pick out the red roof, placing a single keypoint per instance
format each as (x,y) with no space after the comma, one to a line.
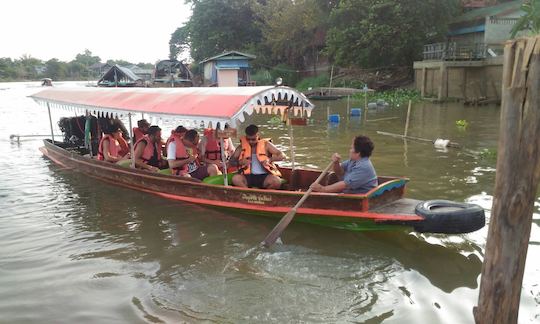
(226,105)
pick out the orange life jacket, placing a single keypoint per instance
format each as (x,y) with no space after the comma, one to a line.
(181,154)
(173,134)
(137,134)
(124,146)
(114,147)
(149,149)
(213,145)
(261,156)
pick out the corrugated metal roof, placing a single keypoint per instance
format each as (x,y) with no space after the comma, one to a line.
(482,13)
(238,55)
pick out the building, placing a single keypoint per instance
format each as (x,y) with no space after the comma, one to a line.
(468,66)
(97,69)
(229,69)
(145,74)
(119,76)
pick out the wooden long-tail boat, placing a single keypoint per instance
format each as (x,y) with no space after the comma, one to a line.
(382,208)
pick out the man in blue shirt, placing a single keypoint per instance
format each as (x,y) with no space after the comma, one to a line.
(357,174)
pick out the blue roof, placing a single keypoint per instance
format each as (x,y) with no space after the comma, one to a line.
(468,30)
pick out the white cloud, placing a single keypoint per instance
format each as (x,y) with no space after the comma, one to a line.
(132,30)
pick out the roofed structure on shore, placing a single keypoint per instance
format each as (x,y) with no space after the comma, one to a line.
(228,69)
(119,76)
(172,73)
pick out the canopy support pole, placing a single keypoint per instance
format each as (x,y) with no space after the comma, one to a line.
(131,139)
(291,140)
(50,122)
(223,161)
(88,133)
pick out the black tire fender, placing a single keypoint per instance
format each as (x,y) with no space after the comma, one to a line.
(450,217)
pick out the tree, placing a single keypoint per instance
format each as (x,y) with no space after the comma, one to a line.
(294,30)
(56,70)
(86,58)
(386,32)
(530,20)
(216,26)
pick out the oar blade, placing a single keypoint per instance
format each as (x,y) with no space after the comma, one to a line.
(272,237)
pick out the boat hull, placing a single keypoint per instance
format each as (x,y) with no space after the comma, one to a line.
(369,211)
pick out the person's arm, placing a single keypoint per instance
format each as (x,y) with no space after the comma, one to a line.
(171,157)
(339,186)
(139,150)
(233,161)
(275,153)
(338,167)
(230,149)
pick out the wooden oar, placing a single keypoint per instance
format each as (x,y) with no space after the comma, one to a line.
(272,237)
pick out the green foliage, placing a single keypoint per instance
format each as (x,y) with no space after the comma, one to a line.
(322,80)
(462,124)
(216,26)
(531,19)
(385,32)
(395,98)
(289,75)
(262,77)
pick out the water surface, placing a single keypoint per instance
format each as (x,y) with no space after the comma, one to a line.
(77,250)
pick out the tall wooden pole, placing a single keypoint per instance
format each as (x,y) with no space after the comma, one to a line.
(516,184)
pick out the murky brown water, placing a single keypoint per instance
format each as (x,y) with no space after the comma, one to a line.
(76,250)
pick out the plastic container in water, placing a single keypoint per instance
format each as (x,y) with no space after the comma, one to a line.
(356,111)
(333,118)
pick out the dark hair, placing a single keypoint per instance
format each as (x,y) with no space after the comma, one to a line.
(191,135)
(252,130)
(142,123)
(112,128)
(180,129)
(152,130)
(363,145)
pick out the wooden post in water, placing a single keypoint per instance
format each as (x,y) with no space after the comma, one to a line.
(516,184)
(407,121)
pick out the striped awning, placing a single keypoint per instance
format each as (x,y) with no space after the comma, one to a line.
(207,106)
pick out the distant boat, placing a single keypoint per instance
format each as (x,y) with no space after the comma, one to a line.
(46,82)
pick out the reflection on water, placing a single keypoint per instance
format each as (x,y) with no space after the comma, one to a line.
(78,250)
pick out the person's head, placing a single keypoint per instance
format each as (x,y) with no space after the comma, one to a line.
(114,130)
(361,147)
(154,132)
(191,137)
(180,130)
(143,125)
(252,134)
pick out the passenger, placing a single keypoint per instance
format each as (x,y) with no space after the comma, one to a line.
(140,130)
(210,148)
(255,159)
(357,174)
(177,132)
(148,150)
(183,157)
(112,147)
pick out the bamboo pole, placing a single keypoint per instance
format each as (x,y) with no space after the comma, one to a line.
(407,122)
(223,161)
(516,183)
(291,141)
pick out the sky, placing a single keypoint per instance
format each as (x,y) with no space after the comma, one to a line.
(132,30)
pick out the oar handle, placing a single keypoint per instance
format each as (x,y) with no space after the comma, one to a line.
(272,237)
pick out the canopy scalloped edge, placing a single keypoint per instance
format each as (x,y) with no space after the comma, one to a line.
(166,104)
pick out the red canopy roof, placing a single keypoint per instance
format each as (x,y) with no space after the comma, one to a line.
(226,105)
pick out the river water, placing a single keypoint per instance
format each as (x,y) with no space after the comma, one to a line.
(76,250)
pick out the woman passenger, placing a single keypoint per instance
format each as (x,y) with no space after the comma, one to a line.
(113,147)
